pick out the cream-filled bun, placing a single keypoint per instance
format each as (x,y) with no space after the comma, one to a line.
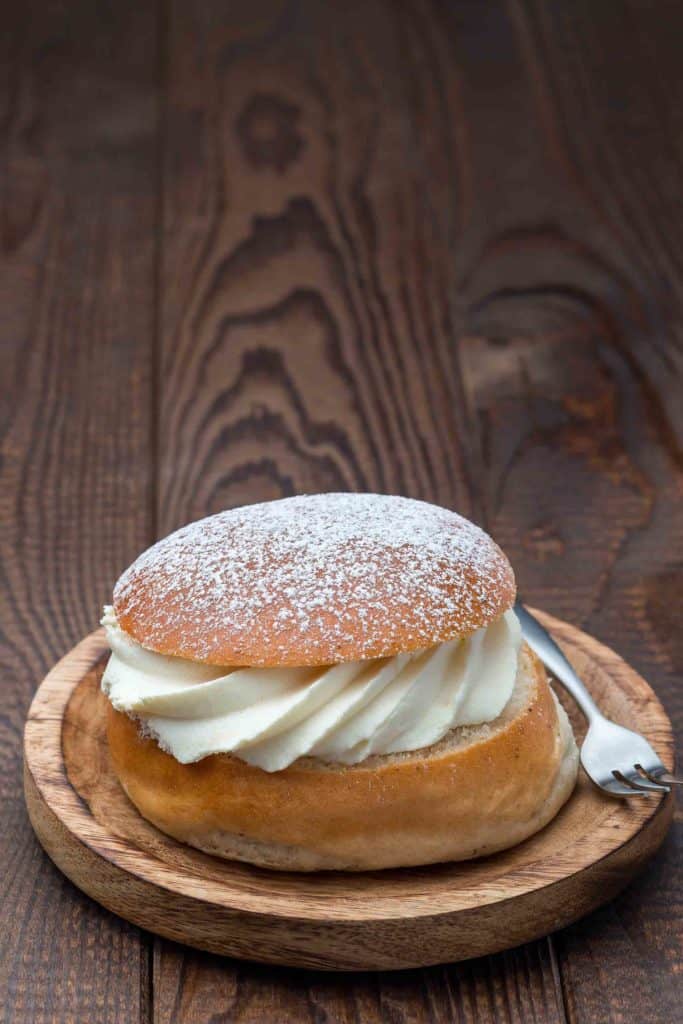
(332,681)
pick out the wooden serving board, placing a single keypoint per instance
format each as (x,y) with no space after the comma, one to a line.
(378,920)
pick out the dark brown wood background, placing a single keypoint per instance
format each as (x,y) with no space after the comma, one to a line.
(261,247)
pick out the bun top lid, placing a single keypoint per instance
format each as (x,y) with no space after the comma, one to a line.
(314,580)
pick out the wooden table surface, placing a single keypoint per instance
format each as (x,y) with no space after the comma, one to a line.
(255,248)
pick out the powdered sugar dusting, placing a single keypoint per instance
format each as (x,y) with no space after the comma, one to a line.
(314,579)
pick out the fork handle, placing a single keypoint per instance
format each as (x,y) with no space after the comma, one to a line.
(541,642)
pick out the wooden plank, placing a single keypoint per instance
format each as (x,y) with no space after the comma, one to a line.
(517,987)
(302,335)
(76,327)
(314,192)
(571,357)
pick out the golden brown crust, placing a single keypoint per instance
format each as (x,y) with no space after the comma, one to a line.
(476,791)
(314,580)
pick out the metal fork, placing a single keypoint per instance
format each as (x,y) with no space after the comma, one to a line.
(619,761)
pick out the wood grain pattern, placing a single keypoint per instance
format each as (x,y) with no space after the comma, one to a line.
(300,351)
(380,920)
(505,988)
(76,305)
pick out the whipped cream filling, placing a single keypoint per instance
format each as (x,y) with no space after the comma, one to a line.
(341,713)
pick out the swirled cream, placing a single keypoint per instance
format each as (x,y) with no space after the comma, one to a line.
(341,713)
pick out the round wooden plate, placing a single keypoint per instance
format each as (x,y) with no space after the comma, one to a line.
(380,920)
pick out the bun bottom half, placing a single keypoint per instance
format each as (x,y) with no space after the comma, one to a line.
(480,789)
